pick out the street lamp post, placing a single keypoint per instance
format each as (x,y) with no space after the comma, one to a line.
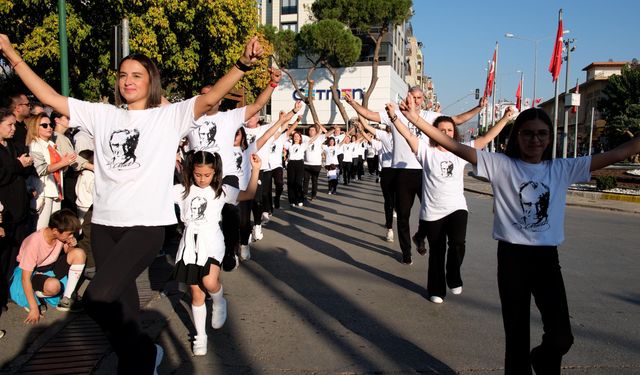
(535,57)
(565,128)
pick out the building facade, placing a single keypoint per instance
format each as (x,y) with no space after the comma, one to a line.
(393,67)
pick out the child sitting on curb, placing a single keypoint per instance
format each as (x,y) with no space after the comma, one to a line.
(48,264)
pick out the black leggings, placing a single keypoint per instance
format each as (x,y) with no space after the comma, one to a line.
(387,185)
(451,230)
(278,180)
(60,269)
(244,208)
(372,165)
(408,184)
(121,255)
(295,177)
(346,172)
(524,271)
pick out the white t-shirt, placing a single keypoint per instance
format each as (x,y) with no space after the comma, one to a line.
(332,174)
(313,154)
(84,189)
(348,152)
(330,154)
(201,213)
(253,134)
(403,158)
(530,199)
(442,182)
(216,133)
(386,150)
(275,151)
(339,139)
(245,164)
(296,151)
(135,156)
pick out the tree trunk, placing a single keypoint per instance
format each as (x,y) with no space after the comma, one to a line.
(374,68)
(310,84)
(305,98)
(335,94)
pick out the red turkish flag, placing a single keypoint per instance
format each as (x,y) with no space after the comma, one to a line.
(519,96)
(491,75)
(556,57)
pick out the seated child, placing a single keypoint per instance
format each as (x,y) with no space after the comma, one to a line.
(48,263)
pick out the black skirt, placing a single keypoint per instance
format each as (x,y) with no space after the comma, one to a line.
(192,274)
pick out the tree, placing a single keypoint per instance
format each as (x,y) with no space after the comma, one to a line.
(191,41)
(332,45)
(620,105)
(369,19)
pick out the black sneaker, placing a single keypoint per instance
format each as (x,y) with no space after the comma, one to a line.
(67,304)
(406,259)
(420,246)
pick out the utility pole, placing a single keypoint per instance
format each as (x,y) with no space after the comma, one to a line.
(64,54)
(565,128)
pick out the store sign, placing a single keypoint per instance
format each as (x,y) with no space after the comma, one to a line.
(319,94)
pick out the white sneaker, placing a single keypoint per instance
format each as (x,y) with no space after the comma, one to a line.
(257,232)
(300,204)
(200,345)
(265,218)
(245,252)
(39,294)
(395,214)
(436,299)
(456,290)
(389,235)
(219,314)
(159,355)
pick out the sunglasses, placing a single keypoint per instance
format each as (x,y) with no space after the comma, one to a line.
(47,125)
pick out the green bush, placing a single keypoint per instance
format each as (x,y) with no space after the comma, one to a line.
(606,182)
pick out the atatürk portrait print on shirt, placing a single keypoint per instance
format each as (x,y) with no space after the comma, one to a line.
(534,202)
(123,144)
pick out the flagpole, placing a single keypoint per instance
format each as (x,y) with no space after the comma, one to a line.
(575,131)
(555,91)
(593,110)
(493,98)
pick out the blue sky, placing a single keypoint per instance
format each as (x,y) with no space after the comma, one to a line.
(459,38)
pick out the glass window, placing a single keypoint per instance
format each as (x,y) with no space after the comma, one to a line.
(293,26)
(289,7)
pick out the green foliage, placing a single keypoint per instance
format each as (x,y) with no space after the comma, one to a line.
(192,41)
(330,42)
(606,182)
(620,106)
(363,14)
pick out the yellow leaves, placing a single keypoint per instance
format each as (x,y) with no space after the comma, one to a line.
(5,6)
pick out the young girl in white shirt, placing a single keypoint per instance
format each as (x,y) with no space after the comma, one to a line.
(530,189)
(201,250)
(133,146)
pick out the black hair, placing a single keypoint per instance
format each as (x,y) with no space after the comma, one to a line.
(438,121)
(194,159)
(64,221)
(531,114)
(243,141)
(87,155)
(4,113)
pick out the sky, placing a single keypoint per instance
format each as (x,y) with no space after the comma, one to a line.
(459,38)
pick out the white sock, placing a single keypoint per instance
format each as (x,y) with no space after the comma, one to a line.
(217,296)
(200,319)
(75,271)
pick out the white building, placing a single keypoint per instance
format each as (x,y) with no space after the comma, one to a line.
(391,85)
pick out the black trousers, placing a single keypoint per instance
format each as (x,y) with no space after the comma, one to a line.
(451,230)
(10,244)
(257,204)
(311,172)
(121,255)
(267,192)
(387,185)
(244,209)
(333,185)
(355,166)
(360,170)
(372,165)
(278,180)
(346,172)
(533,270)
(295,178)
(408,185)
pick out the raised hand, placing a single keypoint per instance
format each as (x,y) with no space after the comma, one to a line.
(348,98)
(276,75)
(252,51)
(391,109)
(297,106)
(509,112)
(8,51)
(256,162)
